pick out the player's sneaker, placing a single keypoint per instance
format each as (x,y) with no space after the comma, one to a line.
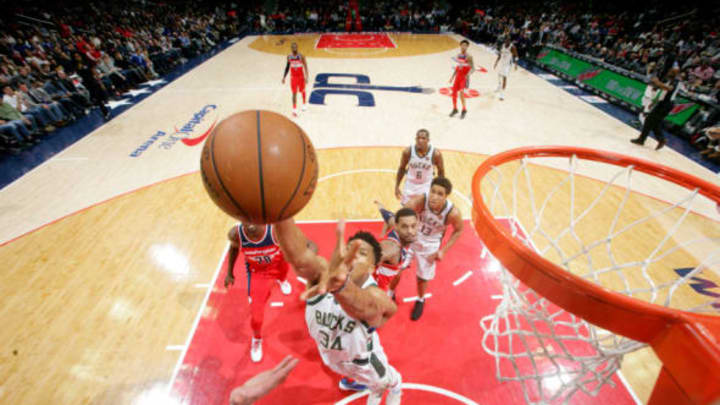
(295,114)
(463,114)
(453,112)
(502,96)
(417,310)
(304,107)
(285,287)
(256,353)
(347,384)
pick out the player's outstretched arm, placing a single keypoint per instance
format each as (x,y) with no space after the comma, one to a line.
(258,386)
(306,262)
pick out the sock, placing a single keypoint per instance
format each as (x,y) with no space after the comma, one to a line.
(303,96)
(294,105)
(386,215)
(454,97)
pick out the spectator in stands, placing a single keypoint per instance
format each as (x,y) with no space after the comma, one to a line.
(91,81)
(38,101)
(702,73)
(24,128)
(20,103)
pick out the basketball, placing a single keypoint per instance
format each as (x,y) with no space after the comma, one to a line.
(259,167)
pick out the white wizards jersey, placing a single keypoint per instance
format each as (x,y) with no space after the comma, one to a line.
(420,169)
(432,226)
(339,337)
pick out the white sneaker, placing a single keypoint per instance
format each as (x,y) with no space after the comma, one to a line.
(256,350)
(394,395)
(295,114)
(304,107)
(502,96)
(375,397)
(285,287)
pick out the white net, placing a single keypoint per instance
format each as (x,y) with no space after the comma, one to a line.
(600,222)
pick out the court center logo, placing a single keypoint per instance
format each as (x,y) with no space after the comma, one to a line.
(361,89)
(192,133)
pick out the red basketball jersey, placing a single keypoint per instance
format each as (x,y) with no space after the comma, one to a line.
(263,255)
(296,65)
(463,65)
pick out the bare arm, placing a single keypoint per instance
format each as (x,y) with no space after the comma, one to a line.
(453,75)
(258,386)
(404,160)
(657,83)
(472,65)
(370,304)
(232,255)
(307,264)
(456,221)
(416,203)
(438,161)
(497,60)
(287,69)
(307,71)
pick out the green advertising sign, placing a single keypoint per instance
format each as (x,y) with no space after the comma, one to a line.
(610,83)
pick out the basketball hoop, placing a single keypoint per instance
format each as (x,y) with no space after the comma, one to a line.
(599,280)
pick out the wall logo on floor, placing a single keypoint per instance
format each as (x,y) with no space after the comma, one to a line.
(702,286)
(361,89)
(192,133)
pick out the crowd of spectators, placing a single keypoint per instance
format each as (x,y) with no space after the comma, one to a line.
(634,40)
(56,65)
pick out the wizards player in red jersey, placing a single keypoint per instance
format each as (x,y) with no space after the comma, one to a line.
(265,266)
(465,67)
(299,73)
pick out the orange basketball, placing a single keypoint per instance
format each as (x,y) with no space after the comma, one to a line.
(259,167)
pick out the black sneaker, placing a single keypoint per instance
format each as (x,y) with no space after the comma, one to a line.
(463,113)
(660,144)
(637,141)
(454,111)
(417,310)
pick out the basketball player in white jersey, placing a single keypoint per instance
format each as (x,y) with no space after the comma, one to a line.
(344,307)
(418,161)
(435,212)
(650,96)
(507,57)
(299,73)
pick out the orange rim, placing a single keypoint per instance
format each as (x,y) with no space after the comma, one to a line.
(607,309)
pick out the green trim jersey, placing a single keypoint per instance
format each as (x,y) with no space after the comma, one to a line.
(339,337)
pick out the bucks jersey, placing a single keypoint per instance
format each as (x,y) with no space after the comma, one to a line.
(340,338)
(420,168)
(432,226)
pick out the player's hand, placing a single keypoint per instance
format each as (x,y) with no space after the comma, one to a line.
(338,268)
(229,280)
(258,386)
(437,256)
(398,193)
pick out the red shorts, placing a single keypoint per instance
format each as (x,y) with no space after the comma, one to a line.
(462,82)
(297,84)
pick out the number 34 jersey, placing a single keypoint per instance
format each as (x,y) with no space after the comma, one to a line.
(262,256)
(339,337)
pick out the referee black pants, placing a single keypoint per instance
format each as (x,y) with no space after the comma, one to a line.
(653,123)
